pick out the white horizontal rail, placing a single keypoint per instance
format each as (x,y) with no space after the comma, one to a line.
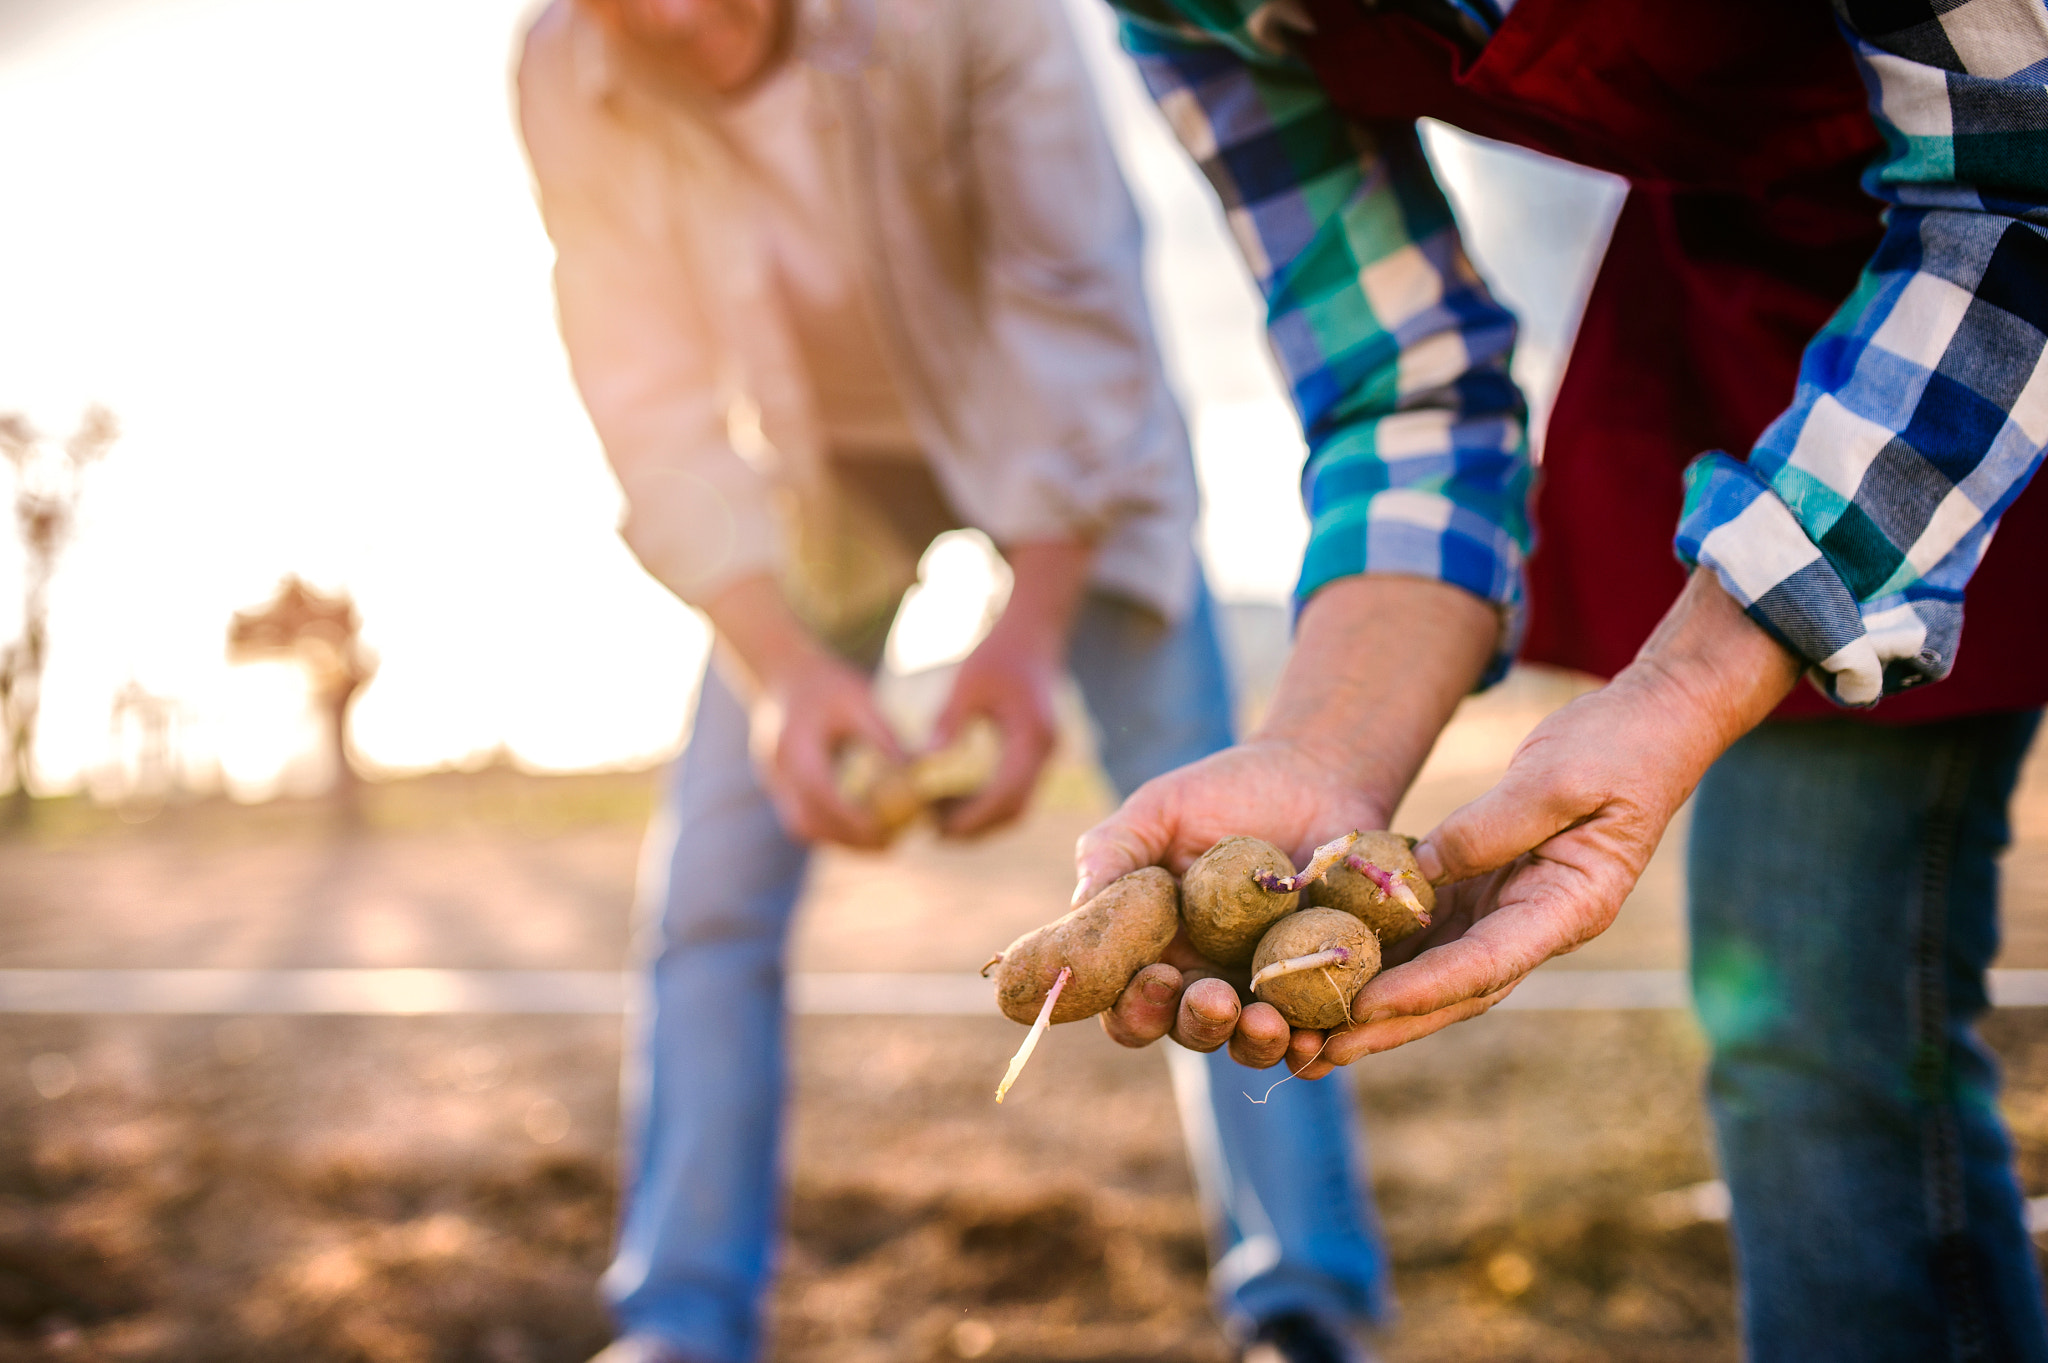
(419,992)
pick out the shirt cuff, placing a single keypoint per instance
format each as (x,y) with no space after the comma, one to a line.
(1406,532)
(1855,651)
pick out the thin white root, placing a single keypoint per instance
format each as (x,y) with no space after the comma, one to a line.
(1313,961)
(1037,1030)
(1263,1098)
(1326,856)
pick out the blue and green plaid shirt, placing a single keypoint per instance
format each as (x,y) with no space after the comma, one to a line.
(1853,527)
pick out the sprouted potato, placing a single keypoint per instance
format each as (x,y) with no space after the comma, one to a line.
(1075,967)
(1310,965)
(1379,883)
(898,794)
(1242,886)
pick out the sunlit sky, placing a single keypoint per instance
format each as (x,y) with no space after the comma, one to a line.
(293,247)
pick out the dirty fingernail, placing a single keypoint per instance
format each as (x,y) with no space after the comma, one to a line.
(1158,990)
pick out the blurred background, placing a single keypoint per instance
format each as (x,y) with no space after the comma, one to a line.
(316,877)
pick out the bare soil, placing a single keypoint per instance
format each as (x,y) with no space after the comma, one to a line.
(441,1189)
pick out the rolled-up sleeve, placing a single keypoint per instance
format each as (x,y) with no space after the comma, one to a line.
(1396,354)
(1854,526)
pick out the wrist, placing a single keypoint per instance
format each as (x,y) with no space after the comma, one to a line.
(1718,672)
(1047,580)
(1379,664)
(757,628)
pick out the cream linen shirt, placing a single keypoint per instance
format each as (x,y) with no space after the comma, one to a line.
(997,255)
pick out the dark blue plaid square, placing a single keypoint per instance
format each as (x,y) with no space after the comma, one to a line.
(1897,495)
(1953,427)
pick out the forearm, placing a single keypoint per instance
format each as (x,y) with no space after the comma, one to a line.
(1048,579)
(1715,671)
(761,633)
(1379,664)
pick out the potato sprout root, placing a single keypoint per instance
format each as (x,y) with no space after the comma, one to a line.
(1038,1027)
(1324,858)
(1075,967)
(1312,964)
(1379,883)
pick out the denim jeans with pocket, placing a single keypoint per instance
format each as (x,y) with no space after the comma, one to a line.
(1844,887)
(1281,1182)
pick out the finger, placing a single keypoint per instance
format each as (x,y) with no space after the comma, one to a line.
(1208,1015)
(1476,964)
(1144,1012)
(792,815)
(961,705)
(1261,1037)
(1025,747)
(1306,1050)
(1117,846)
(1530,805)
(864,720)
(1372,1038)
(806,769)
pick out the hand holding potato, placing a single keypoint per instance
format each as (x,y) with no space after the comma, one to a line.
(1533,869)
(1010,679)
(806,715)
(1008,684)
(1540,864)
(1268,789)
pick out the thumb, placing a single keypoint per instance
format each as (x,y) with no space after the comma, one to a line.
(1115,847)
(1523,811)
(967,696)
(867,721)
(952,717)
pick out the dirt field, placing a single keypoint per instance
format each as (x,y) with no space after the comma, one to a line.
(406,1190)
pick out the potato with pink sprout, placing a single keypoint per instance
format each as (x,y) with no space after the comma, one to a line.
(1379,883)
(1226,907)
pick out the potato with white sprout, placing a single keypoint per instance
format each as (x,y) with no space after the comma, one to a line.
(1310,965)
(1075,967)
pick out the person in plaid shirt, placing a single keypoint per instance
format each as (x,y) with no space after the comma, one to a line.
(1877,357)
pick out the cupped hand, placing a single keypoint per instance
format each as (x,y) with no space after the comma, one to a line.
(804,718)
(1541,863)
(1268,788)
(1011,683)
(1534,868)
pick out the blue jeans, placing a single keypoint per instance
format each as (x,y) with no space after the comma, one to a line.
(1844,887)
(1281,1182)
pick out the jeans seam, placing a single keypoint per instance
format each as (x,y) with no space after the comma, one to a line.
(1954,1270)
